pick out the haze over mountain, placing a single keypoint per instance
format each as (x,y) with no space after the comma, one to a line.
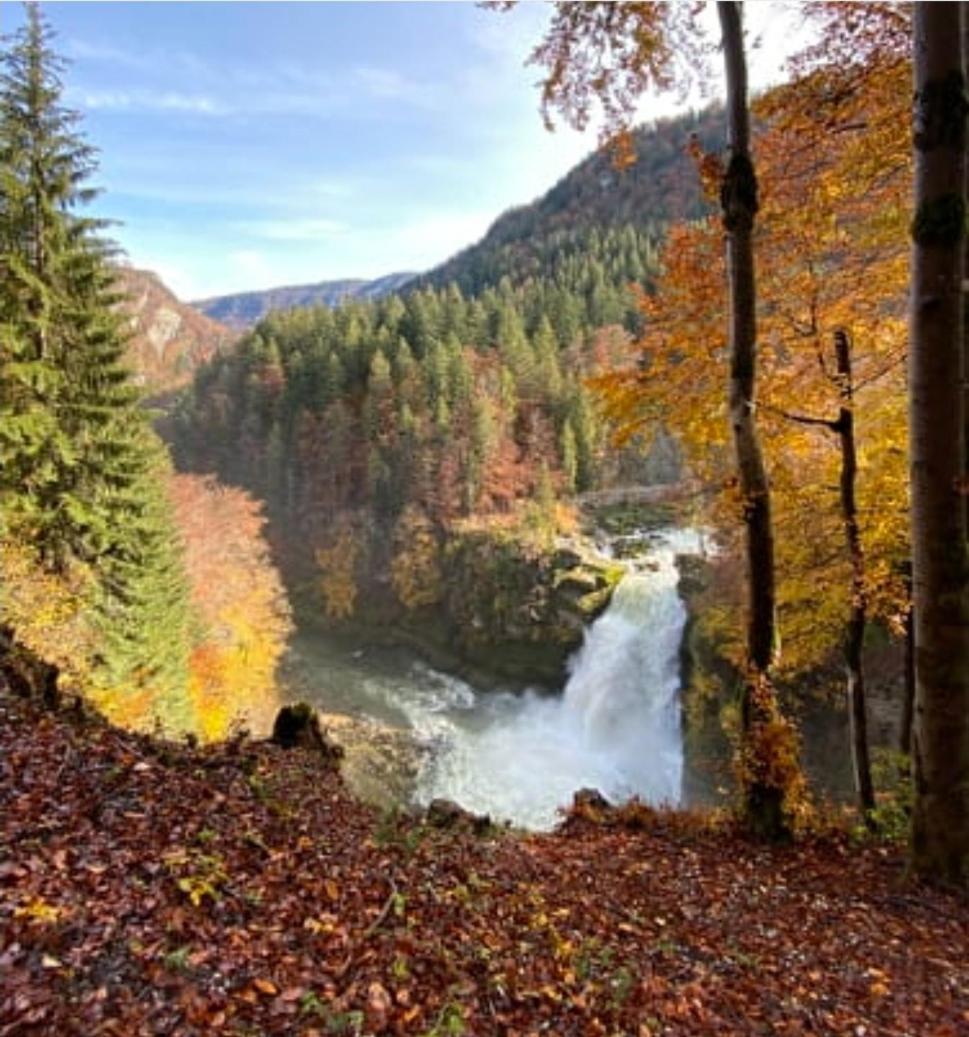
(660,188)
(534,239)
(244,309)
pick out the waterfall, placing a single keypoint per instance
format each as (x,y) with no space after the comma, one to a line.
(616,727)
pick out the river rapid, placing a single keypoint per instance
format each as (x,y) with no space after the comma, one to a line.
(519,757)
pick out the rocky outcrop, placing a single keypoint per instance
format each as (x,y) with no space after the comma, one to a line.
(168,339)
(380,764)
(446,814)
(514,610)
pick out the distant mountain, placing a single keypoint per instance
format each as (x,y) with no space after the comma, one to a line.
(595,209)
(169,338)
(244,309)
(661,187)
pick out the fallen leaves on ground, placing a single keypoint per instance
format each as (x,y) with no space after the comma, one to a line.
(151,889)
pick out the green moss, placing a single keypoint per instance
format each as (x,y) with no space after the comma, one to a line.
(594,604)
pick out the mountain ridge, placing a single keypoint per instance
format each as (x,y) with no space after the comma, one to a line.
(241,310)
(594,196)
(661,187)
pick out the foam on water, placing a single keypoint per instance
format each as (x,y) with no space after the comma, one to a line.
(616,727)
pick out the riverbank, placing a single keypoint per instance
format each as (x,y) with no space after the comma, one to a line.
(151,888)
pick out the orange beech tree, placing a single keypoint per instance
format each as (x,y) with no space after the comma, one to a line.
(932,39)
(237,594)
(830,241)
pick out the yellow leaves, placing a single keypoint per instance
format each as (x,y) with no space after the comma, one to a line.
(322,925)
(197,875)
(238,595)
(197,889)
(414,572)
(830,257)
(38,910)
(338,573)
(50,614)
(123,706)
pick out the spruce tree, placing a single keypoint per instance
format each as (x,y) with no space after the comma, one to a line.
(80,470)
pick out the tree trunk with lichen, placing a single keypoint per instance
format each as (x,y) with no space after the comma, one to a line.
(940,820)
(763,796)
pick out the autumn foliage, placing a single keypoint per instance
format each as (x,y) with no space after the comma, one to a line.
(278,905)
(833,258)
(241,608)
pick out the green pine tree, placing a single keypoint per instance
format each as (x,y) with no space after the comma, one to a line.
(80,471)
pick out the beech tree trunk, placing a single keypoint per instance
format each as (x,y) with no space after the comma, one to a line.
(964,15)
(858,617)
(940,576)
(739,204)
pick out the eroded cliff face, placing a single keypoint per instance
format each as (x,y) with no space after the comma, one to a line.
(505,610)
(169,339)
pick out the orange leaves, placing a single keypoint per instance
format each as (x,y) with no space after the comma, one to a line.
(239,597)
(672,926)
(832,256)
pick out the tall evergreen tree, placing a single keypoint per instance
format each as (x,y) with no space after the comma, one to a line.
(79,466)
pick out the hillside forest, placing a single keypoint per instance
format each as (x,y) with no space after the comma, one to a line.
(743,324)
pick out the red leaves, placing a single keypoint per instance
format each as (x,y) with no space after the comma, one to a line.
(637,924)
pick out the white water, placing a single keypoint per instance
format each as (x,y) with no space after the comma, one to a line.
(616,727)
(520,757)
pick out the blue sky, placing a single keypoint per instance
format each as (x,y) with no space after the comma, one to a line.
(247,145)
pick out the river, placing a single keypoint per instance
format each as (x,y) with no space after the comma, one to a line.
(519,757)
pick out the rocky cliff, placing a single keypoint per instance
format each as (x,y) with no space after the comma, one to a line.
(169,338)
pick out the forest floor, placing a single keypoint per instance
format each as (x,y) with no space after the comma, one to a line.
(153,889)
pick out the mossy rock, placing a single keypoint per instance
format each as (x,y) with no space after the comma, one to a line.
(576,583)
(380,763)
(595,603)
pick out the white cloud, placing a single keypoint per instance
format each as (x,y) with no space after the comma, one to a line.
(156,62)
(81,50)
(146,100)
